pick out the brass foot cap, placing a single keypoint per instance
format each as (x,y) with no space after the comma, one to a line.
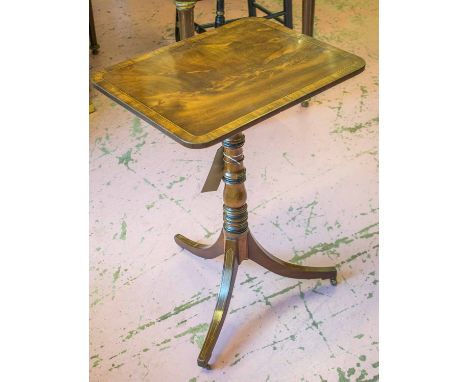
(204,364)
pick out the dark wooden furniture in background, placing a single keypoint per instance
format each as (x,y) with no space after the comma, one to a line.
(286,13)
(210,88)
(186,25)
(285,16)
(93,44)
(308,15)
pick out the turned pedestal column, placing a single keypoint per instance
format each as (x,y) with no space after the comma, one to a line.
(238,244)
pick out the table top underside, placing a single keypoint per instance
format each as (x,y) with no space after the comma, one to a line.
(208,87)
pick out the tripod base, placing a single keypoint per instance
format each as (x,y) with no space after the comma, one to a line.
(236,248)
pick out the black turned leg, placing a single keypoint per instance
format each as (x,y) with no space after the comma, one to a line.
(231,263)
(252,9)
(288,13)
(283,268)
(201,250)
(219,20)
(177,29)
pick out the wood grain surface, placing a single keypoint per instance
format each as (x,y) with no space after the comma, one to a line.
(211,86)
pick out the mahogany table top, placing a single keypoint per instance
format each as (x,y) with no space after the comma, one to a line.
(206,88)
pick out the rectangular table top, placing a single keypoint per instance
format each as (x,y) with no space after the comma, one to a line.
(206,88)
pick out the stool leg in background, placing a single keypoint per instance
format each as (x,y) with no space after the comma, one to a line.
(220,19)
(288,13)
(186,19)
(308,14)
(252,9)
(94,46)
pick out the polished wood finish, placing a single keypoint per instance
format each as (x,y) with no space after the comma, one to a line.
(234,194)
(201,250)
(231,263)
(239,244)
(208,87)
(262,257)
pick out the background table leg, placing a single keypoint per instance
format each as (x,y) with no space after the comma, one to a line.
(94,46)
(308,14)
(308,11)
(186,18)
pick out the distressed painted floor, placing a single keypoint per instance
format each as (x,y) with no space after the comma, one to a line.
(312,181)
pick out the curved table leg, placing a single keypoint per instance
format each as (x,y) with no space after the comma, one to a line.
(201,250)
(283,268)
(231,263)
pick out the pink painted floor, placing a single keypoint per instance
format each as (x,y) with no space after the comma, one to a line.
(312,181)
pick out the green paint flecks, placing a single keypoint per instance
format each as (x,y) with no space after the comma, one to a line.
(167,340)
(116,355)
(171,184)
(364,94)
(208,233)
(308,231)
(105,150)
(314,323)
(267,298)
(321,247)
(182,307)
(248,279)
(96,360)
(116,366)
(131,333)
(123,230)
(138,146)
(149,182)
(342,376)
(365,234)
(362,376)
(136,127)
(285,156)
(356,127)
(126,158)
(116,275)
(197,334)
